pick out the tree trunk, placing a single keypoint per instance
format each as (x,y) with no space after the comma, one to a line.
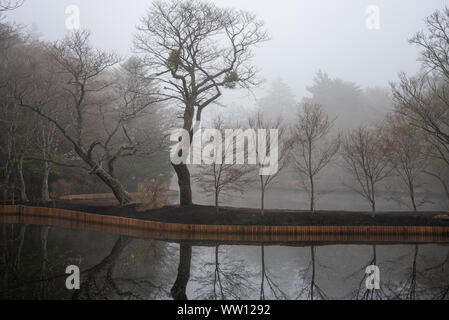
(6,182)
(262,197)
(45,193)
(312,194)
(373,199)
(262,203)
(22,185)
(412,196)
(178,291)
(117,188)
(182,171)
(185,191)
(216,202)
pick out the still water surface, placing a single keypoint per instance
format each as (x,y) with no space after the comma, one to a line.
(33,260)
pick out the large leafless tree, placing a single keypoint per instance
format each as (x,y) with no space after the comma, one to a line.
(98,105)
(196,49)
(423,99)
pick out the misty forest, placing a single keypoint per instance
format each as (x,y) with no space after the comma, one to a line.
(90,129)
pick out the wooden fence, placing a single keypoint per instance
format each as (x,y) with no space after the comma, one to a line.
(159,230)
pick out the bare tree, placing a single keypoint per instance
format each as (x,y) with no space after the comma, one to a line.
(220,177)
(47,141)
(311,152)
(79,79)
(196,50)
(423,99)
(17,133)
(283,144)
(17,127)
(366,157)
(408,154)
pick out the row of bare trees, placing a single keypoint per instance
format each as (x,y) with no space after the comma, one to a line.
(410,143)
(392,149)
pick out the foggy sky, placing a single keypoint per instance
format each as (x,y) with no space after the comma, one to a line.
(306,35)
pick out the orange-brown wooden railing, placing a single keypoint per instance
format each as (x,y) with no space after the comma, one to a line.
(161,230)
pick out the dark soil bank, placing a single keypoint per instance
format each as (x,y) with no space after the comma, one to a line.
(196,214)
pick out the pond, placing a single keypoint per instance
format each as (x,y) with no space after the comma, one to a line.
(34,258)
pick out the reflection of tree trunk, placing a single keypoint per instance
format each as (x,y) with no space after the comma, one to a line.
(185,191)
(44,267)
(312,280)
(312,290)
(411,295)
(107,264)
(178,291)
(268,280)
(5,257)
(20,247)
(370,294)
(217,279)
(262,285)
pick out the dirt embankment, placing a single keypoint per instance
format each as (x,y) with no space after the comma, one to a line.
(207,215)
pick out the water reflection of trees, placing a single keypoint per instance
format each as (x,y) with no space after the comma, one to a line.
(178,291)
(112,279)
(310,289)
(425,278)
(33,261)
(362,292)
(224,278)
(32,267)
(268,278)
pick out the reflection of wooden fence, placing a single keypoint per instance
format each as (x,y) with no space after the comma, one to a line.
(159,230)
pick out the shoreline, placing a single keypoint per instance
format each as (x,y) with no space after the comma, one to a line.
(439,232)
